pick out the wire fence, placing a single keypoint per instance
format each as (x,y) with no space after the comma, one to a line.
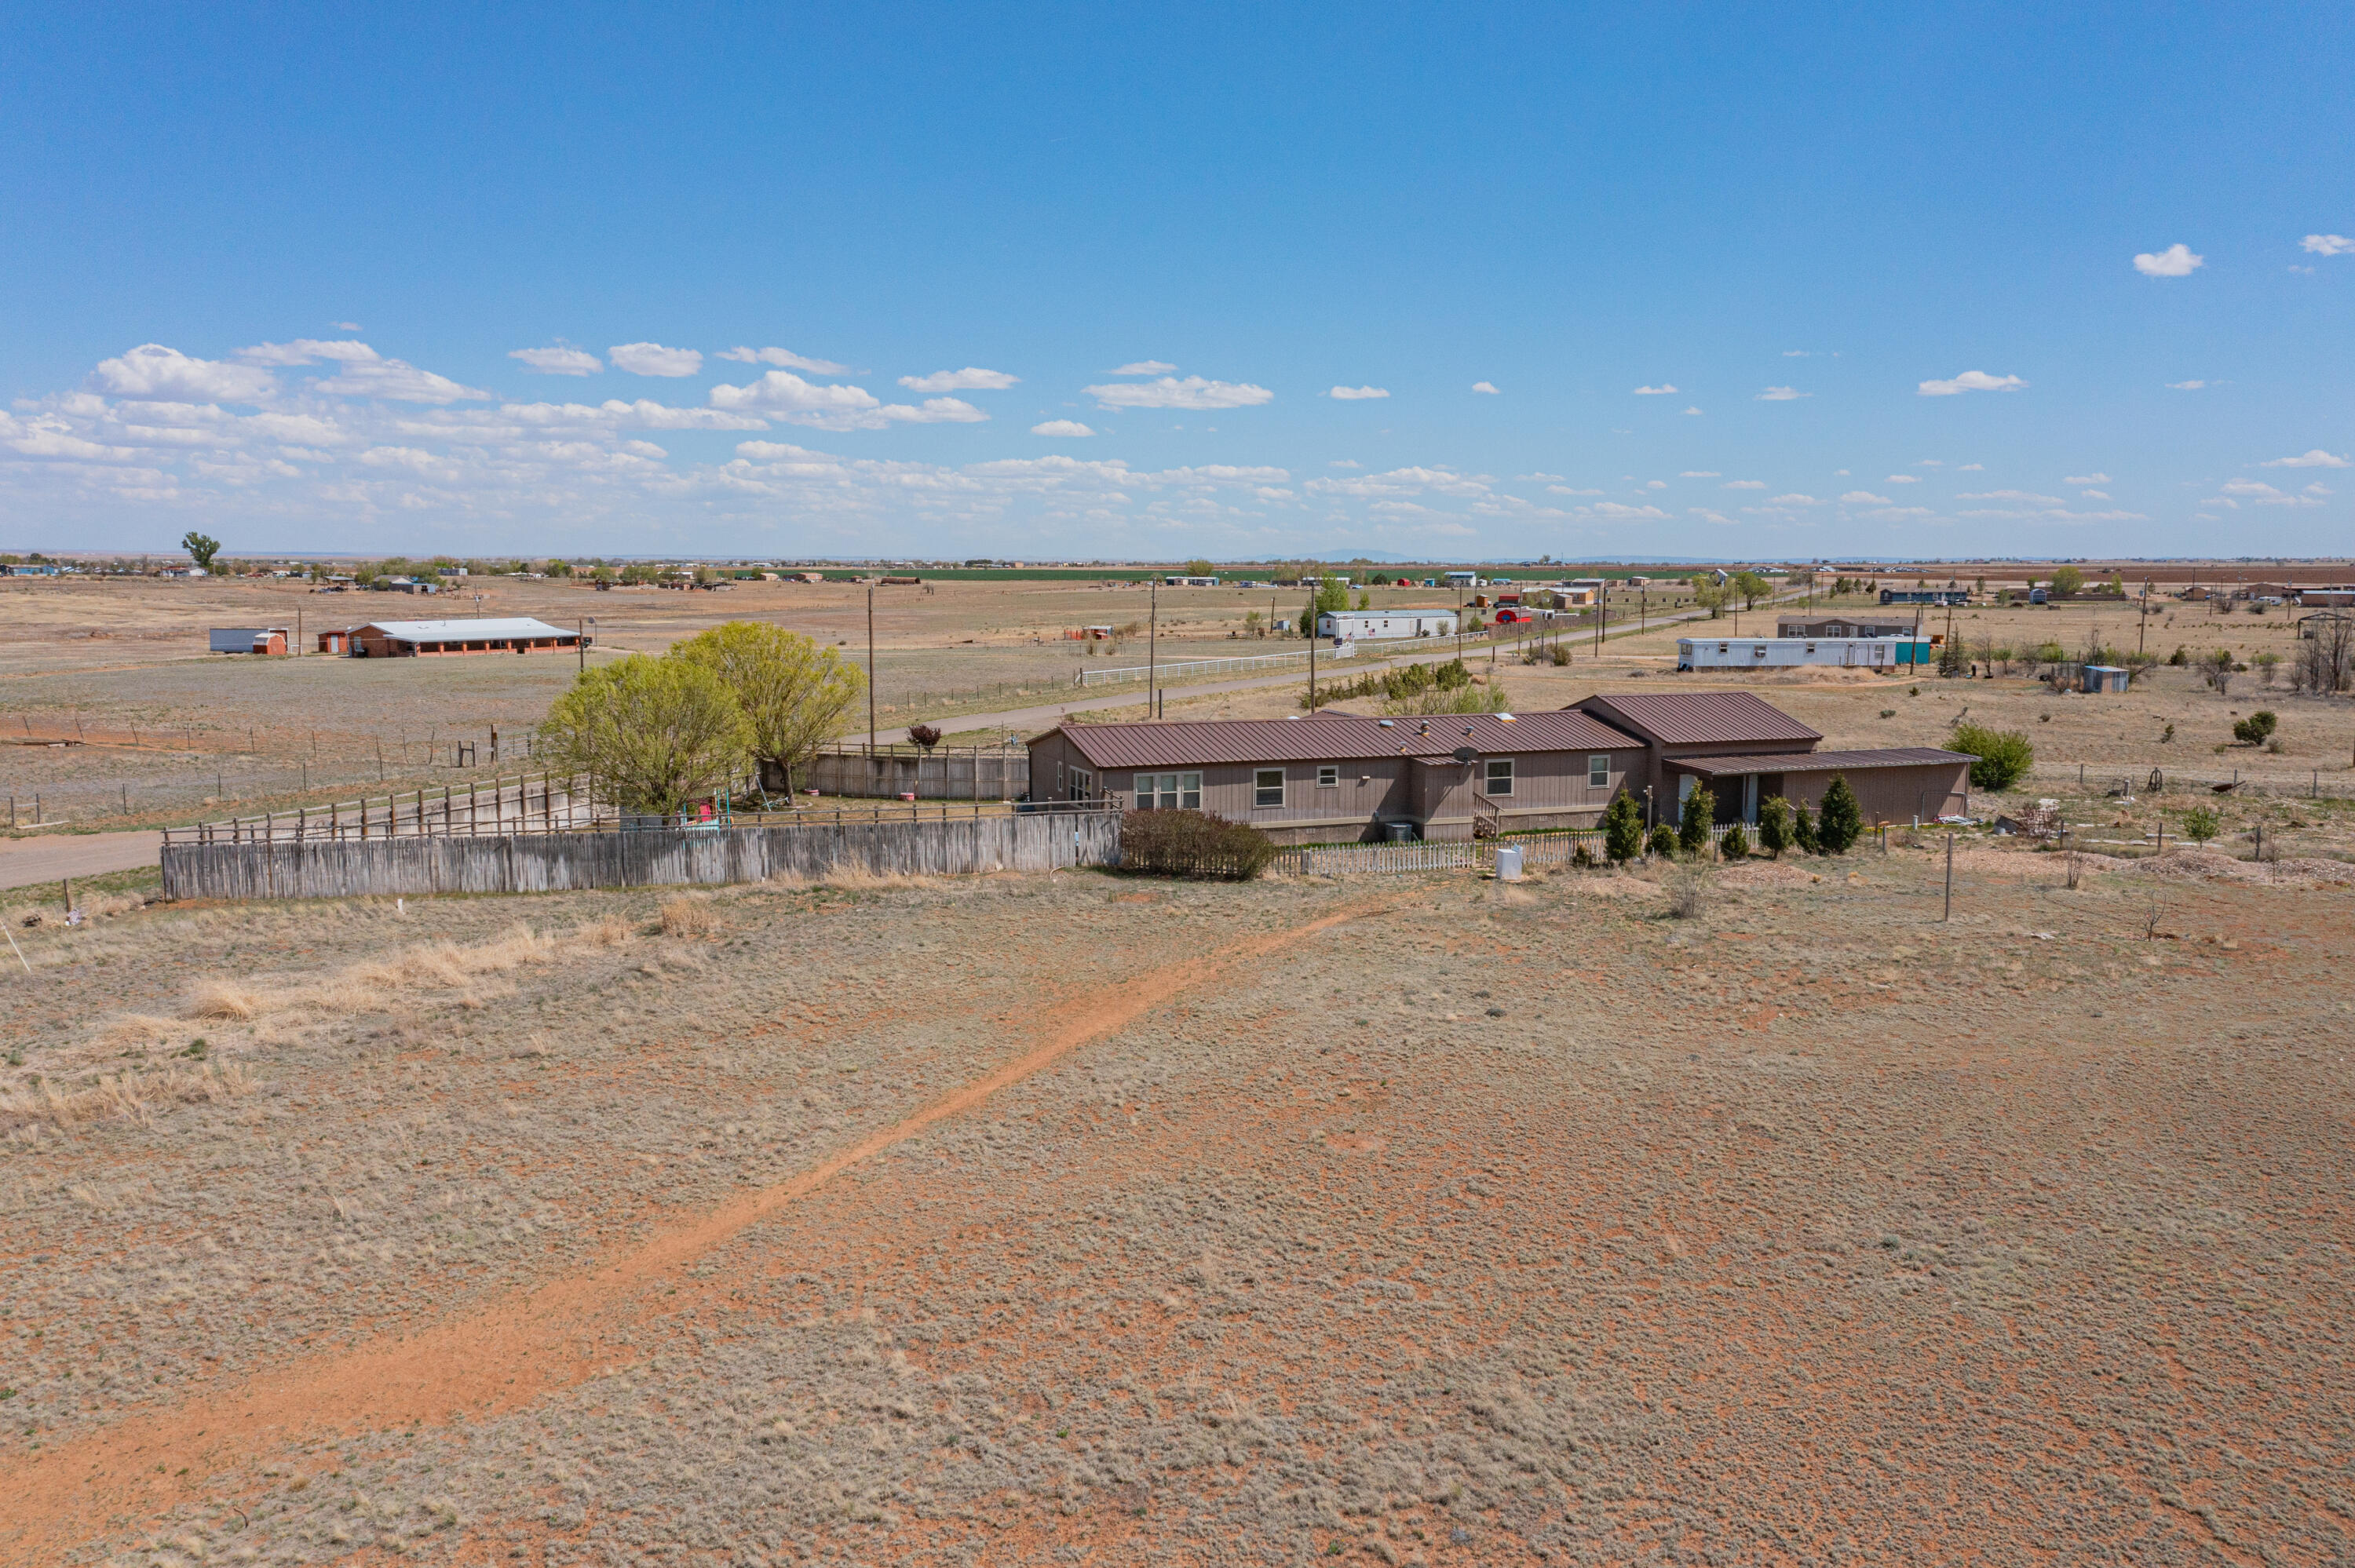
(2115,778)
(1185,669)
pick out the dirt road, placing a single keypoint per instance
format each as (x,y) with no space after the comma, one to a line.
(27,862)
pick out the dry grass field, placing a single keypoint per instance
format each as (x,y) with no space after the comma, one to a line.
(1043,1220)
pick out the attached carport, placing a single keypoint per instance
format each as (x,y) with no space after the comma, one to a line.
(1896,784)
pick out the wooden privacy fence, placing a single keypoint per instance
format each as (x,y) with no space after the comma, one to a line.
(946,845)
(939,773)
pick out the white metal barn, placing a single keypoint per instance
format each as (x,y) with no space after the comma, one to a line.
(1349,625)
(1781,653)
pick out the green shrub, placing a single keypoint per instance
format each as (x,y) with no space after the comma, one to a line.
(2004,755)
(1774,825)
(1192,844)
(1735,843)
(1803,829)
(1663,841)
(1700,812)
(1841,822)
(2255,729)
(2200,824)
(1623,828)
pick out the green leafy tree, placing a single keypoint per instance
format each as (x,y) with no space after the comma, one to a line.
(1663,841)
(201,548)
(1841,822)
(2255,729)
(1803,829)
(2200,824)
(1750,586)
(1700,814)
(1623,828)
(2001,757)
(1200,568)
(1774,825)
(796,694)
(650,735)
(2067,580)
(1710,597)
(1327,594)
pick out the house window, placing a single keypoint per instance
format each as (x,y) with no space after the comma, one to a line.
(1267,787)
(1328,775)
(1598,770)
(1501,776)
(1170,791)
(1082,781)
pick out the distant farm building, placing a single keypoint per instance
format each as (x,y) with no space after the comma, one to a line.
(249,639)
(2105,678)
(405,639)
(1843,626)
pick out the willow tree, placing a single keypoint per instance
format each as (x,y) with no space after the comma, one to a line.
(796,694)
(650,735)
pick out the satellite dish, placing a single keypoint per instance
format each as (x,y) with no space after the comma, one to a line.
(1465,754)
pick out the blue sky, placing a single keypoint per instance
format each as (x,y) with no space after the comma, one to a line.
(1776,283)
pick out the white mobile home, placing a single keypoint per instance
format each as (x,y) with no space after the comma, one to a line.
(1781,653)
(1350,625)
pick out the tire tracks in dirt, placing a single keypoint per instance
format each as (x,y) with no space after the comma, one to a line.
(505,1354)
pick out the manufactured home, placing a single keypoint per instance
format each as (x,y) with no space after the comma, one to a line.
(1351,625)
(1781,653)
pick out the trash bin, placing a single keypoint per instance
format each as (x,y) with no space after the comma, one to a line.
(1400,832)
(1508,863)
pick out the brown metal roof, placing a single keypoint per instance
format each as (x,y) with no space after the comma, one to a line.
(1332,737)
(1703,718)
(1818,761)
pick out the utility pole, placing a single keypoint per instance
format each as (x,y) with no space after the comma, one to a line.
(580,625)
(2142,616)
(1312,674)
(1152,650)
(1949,915)
(870,672)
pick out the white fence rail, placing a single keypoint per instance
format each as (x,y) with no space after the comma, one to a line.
(1242,665)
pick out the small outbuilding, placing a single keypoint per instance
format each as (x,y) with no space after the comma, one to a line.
(2104,678)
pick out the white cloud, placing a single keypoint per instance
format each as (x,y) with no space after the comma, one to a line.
(397,380)
(2317,457)
(1694,410)
(2094,494)
(2185,386)
(1567,490)
(787,397)
(1656,484)
(1169,392)
(1904,479)
(1930,463)
(2258,494)
(1060,427)
(1663,390)
(2328,244)
(1781,395)
(612,414)
(1794,499)
(2175,261)
(653,359)
(1700,474)
(1144,367)
(1536,478)
(1744,485)
(783,359)
(1344,463)
(972,378)
(1353,394)
(557,361)
(151,370)
(344,327)
(2024,496)
(308,351)
(1488,386)
(1860,498)
(1706,516)
(1617,513)
(1972,467)
(1971,381)
(2086,479)
(1795,354)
